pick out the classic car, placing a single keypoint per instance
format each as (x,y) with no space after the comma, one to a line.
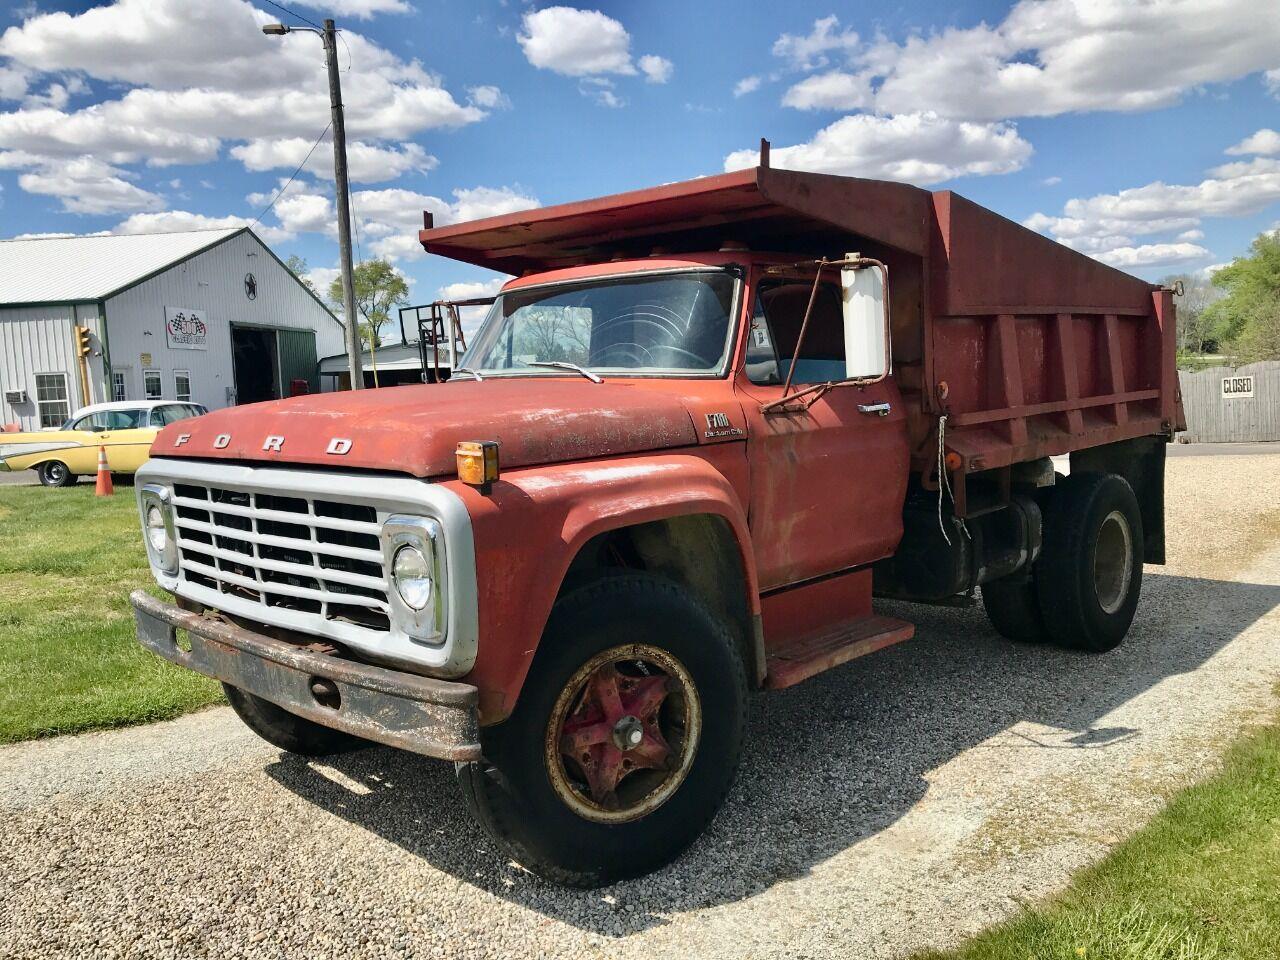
(126,428)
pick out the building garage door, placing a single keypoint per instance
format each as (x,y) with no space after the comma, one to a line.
(297,352)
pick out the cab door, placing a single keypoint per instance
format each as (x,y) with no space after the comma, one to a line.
(827,481)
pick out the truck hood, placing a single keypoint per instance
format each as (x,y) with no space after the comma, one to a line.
(416,429)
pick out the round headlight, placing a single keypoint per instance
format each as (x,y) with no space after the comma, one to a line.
(157,533)
(412,577)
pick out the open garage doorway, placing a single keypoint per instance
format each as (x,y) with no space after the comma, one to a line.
(271,363)
(257,366)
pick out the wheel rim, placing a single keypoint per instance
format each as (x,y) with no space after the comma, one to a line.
(623,733)
(56,472)
(1113,561)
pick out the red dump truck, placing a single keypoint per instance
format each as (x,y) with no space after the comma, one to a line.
(706,427)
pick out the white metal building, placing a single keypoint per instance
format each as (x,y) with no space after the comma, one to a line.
(211,316)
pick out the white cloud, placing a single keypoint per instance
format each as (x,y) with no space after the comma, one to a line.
(488,97)
(13,83)
(1106,225)
(1232,190)
(809,52)
(1153,255)
(1048,57)
(576,43)
(322,278)
(919,148)
(746,85)
(360,9)
(169,221)
(366,163)
(1265,141)
(472,289)
(479,202)
(56,95)
(388,220)
(87,185)
(656,69)
(1051,181)
(833,90)
(471,317)
(48,132)
(601,90)
(1272,80)
(204,73)
(304,212)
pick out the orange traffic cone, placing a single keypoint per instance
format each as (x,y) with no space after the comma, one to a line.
(104,487)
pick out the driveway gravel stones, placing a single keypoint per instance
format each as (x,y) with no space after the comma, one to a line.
(900,802)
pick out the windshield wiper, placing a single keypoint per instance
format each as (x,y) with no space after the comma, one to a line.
(565,365)
(458,370)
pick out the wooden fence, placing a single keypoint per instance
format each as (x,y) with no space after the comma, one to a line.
(1232,405)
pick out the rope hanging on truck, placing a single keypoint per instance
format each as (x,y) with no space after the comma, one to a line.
(942,473)
(944,481)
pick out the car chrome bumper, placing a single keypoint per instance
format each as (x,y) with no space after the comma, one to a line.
(436,718)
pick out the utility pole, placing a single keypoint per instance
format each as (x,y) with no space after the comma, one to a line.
(329,36)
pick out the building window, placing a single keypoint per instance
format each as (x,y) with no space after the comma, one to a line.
(182,385)
(119,392)
(52,399)
(153,384)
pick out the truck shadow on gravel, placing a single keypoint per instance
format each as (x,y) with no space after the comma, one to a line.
(828,763)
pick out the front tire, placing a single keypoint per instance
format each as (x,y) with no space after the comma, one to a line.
(625,739)
(55,473)
(1089,574)
(286,730)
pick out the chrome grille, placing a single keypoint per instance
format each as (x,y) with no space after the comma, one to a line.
(300,553)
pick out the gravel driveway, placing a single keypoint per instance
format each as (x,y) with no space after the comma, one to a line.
(900,802)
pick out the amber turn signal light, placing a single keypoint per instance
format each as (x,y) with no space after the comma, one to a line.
(478,463)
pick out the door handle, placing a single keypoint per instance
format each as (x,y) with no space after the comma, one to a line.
(880,409)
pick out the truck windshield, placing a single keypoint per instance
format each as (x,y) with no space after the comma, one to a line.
(674,323)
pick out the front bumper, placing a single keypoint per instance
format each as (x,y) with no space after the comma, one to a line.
(436,718)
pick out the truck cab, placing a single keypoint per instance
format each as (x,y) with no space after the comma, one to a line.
(696,437)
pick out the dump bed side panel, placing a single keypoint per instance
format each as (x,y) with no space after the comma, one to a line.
(1035,350)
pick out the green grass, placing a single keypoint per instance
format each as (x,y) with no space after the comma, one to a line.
(1200,882)
(68,657)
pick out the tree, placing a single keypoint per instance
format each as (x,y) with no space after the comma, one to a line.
(378,288)
(1249,313)
(298,267)
(1195,323)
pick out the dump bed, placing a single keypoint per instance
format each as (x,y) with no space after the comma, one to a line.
(1027,347)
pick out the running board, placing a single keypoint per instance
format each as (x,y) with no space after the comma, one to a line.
(814,654)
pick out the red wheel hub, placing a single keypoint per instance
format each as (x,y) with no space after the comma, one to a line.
(614,731)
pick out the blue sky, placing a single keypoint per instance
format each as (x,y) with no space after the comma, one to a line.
(1138,131)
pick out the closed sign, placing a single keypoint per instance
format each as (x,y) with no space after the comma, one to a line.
(1235,387)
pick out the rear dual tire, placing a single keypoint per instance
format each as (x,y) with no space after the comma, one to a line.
(1083,590)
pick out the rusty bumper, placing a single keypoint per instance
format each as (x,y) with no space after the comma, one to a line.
(436,718)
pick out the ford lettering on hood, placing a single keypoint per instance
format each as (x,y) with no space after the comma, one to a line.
(415,430)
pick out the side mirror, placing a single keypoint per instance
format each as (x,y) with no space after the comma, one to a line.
(866,319)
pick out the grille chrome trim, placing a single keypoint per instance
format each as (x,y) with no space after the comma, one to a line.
(451,655)
(235,559)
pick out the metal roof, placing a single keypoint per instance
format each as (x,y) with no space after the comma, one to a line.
(76,269)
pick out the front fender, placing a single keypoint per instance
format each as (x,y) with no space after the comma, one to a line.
(534,521)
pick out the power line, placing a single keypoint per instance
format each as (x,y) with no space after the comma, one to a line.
(291,13)
(350,58)
(293,176)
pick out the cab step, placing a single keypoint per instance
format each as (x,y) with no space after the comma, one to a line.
(818,652)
